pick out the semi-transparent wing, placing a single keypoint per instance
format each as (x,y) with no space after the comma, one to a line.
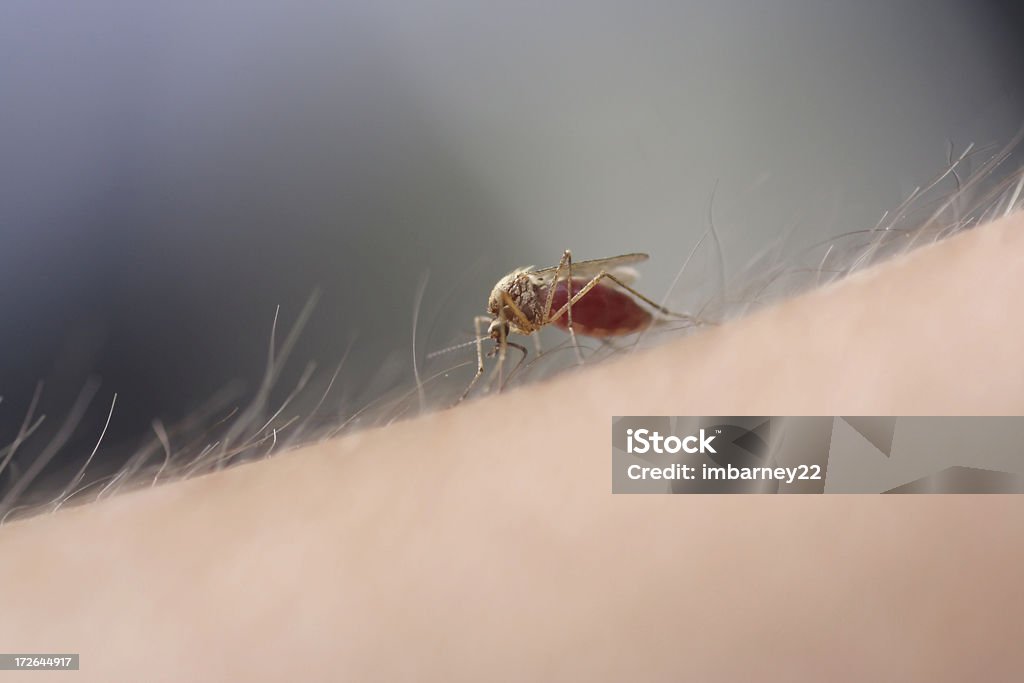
(588,269)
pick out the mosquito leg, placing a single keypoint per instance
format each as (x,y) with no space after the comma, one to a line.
(577,296)
(522,350)
(565,264)
(609,344)
(605,274)
(479,355)
(658,307)
(502,350)
(521,323)
(549,301)
(572,332)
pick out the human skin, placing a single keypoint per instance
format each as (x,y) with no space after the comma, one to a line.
(483,543)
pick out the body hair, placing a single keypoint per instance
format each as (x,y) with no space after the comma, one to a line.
(224,432)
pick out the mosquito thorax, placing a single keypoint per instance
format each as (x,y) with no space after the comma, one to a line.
(523,288)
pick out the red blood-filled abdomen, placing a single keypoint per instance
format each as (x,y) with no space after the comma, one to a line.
(604,311)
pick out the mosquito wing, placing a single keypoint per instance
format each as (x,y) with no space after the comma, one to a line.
(588,269)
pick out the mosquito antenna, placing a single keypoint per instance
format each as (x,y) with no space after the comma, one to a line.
(441,352)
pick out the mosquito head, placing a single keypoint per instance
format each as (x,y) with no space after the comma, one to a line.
(498,330)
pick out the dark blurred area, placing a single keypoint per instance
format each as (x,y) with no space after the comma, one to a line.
(170,173)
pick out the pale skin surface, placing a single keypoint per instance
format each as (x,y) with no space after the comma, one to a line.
(482,543)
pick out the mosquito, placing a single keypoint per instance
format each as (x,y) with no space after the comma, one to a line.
(593,298)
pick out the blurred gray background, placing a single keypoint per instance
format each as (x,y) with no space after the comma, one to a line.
(170,172)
